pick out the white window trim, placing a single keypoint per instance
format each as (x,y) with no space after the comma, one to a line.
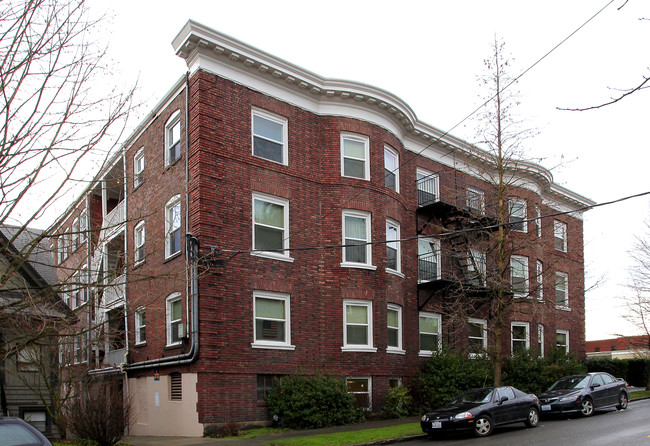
(427,353)
(429,175)
(172,298)
(479,193)
(75,234)
(358,347)
(285,345)
(369,379)
(519,324)
(139,326)
(540,280)
(399,349)
(366,165)
(83,227)
(138,177)
(175,200)
(436,242)
(367,216)
(285,133)
(511,202)
(538,221)
(540,339)
(483,324)
(560,228)
(284,255)
(522,260)
(565,332)
(139,226)
(173,119)
(394,153)
(566,289)
(395,224)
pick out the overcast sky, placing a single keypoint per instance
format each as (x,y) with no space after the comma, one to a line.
(429,54)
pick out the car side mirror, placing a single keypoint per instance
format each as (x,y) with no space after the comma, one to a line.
(502,399)
(593,386)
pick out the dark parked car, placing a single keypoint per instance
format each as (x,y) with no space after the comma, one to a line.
(480,410)
(18,432)
(585,393)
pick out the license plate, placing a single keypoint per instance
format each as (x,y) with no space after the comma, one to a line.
(546,407)
(436,425)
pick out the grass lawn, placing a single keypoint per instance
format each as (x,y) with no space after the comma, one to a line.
(352,437)
(640,394)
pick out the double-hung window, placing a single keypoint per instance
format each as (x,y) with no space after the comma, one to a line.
(355,156)
(173,138)
(538,221)
(393,255)
(475,201)
(540,280)
(430,333)
(174,317)
(394,329)
(356,239)
(518,214)
(477,335)
(391,169)
(272,327)
(361,390)
(173,226)
(519,336)
(562,340)
(357,326)
(519,275)
(540,340)
(140,326)
(269,136)
(562,289)
(138,242)
(270,226)
(559,235)
(83,227)
(138,168)
(75,234)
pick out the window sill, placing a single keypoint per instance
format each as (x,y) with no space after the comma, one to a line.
(137,186)
(273,346)
(174,345)
(395,351)
(562,307)
(173,256)
(359,266)
(138,263)
(281,163)
(140,344)
(425,353)
(395,273)
(273,255)
(359,348)
(355,178)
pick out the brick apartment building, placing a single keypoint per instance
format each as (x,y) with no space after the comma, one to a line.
(241,232)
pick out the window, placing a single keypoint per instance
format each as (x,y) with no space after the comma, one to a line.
(477,335)
(391,169)
(559,233)
(562,340)
(475,201)
(519,275)
(272,323)
(540,339)
(428,259)
(28,359)
(476,272)
(539,266)
(360,388)
(173,226)
(85,282)
(75,288)
(66,244)
(140,326)
(354,156)
(518,214)
(393,254)
(83,226)
(394,328)
(519,338)
(138,168)
(270,226)
(394,382)
(35,417)
(428,187)
(357,323)
(60,249)
(430,333)
(265,383)
(138,242)
(561,289)
(174,315)
(356,238)
(538,221)
(269,136)
(173,138)
(175,386)
(75,234)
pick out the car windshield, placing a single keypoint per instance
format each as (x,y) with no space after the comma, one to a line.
(571,382)
(474,396)
(17,435)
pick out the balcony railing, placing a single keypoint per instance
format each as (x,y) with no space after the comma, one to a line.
(113,219)
(114,290)
(449,266)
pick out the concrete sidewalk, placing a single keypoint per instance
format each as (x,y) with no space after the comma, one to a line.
(185,441)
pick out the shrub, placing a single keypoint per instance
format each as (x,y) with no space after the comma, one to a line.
(615,367)
(313,401)
(638,372)
(398,403)
(530,373)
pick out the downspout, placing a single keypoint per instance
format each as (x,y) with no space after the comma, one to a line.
(191,274)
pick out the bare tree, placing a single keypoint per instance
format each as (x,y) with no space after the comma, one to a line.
(638,303)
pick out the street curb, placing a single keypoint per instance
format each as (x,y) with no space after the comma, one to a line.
(394,440)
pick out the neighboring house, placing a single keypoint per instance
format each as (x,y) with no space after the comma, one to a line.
(240,235)
(27,299)
(624,347)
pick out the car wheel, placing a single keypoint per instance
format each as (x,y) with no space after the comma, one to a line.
(622,401)
(483,426)
(587,408)
(533,417)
